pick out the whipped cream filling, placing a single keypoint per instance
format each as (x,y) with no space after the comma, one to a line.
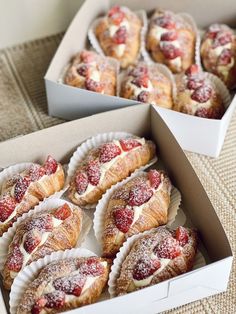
(107,165)
(137,90)
(218,50)
(95,75)
(176,61)
(156,31)
(119,48)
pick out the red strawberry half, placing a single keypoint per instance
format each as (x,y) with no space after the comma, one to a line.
(181,235)
(128,144)
(116,15)
(55,299)
(81,182)
(15,260)
(94,86)
(36,172)
(50,165)
(92,267)
(32,240)
(155,178)
(202,94)
(170,51)
(108,152)
(7,206)
(194,82)
(139,195)
(83,70)
(145,268)
(123,217)
(141,81)
(39,305)
(93,172)
(63,212)
(41,223)
(165,21)
(21,186)
(70,285)
(169,36)
(225,57)
(168,248)
(120,36)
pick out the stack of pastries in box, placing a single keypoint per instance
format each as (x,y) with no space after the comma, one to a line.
(153,54)
(42,216)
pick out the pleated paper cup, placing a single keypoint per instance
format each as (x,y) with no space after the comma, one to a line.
(82,151)
(191,24)
(29,273)
(95,43)
(43,207)
(124,251)
(100,213)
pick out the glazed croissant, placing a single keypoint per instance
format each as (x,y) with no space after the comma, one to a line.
(119,35)
(25,190)
(40,235)
(156,257)
(65,284)
(106,165)
(140,204)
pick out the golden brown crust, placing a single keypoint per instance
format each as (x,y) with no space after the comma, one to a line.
(132,42)
(147,84)
(218,53)
(90,71)
(143,248)
(36,192)
(60,269)
(62,237)
(184,41)
(154,212)
(121,168)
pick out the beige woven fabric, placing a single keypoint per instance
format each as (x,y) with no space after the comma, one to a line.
(23,110)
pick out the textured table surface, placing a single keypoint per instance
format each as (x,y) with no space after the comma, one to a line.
(23,110)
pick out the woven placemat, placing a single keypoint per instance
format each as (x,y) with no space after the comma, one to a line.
(23,110)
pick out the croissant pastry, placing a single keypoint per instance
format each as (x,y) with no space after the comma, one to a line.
(92,72)
(156,257)
(197,95)
(64,285)
(25,190)
(140,204)
(147,84)
(171,40)
(119,35)
(40,235)
(218,52)
(106,165)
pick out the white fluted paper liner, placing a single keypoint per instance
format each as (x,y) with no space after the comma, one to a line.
(113,62)
(95,43)
(100,213)
(124,251)
(191,23)
(218,85)
(43,207)
(29,273)
(94,142)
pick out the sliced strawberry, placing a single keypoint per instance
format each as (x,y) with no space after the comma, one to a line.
(145,268)
(87,56)
(50,165)
(7,206)
(70,285)
(165,21)
(92,267)
(81,182)
(94,86)
(55,300)
(141,81)
(181,235)
(202,94)
(169,36)
(210,113)
(93,172)
(39,305)
(139,71)
(225,57)
(139,195)
(41,223)
(155,178)
(120,36)
(63,212)
(21,186)
(193,69)
(15,260)
(222,38)
(194,82)
(203,113)
(123,217)
(109,151)
(32,240)
(170,51)
(115,15)
(83,70)
(168,248)
(130,143)
(143,96)
(36,172)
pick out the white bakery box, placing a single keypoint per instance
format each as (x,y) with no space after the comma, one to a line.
(60,141)
(204,136)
